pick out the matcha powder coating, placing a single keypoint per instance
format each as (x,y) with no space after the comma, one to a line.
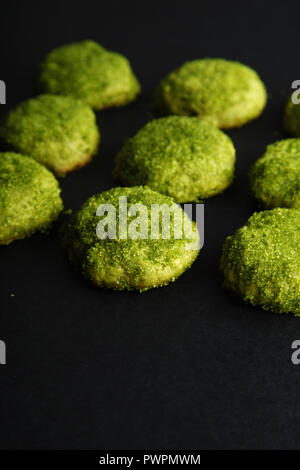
(29,197)
(183,157)
(261,261)
(128,263)
(57,131)
(227,94)
(275,177)
(87,71)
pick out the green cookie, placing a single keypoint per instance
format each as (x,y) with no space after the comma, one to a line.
(87,71)
(144,250)
(183,157)
(57,131)
(227,94)
(275,177)
(29,197)
(261,261)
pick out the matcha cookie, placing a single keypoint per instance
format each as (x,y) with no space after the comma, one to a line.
(227,94)
(275,178)
(131,238)
(261,261)
(183,157)
(87,71)
(291,118)
(57,131)
(29,197)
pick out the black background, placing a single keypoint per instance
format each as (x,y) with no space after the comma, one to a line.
(186,366)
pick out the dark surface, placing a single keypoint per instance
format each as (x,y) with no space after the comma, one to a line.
(182,367)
